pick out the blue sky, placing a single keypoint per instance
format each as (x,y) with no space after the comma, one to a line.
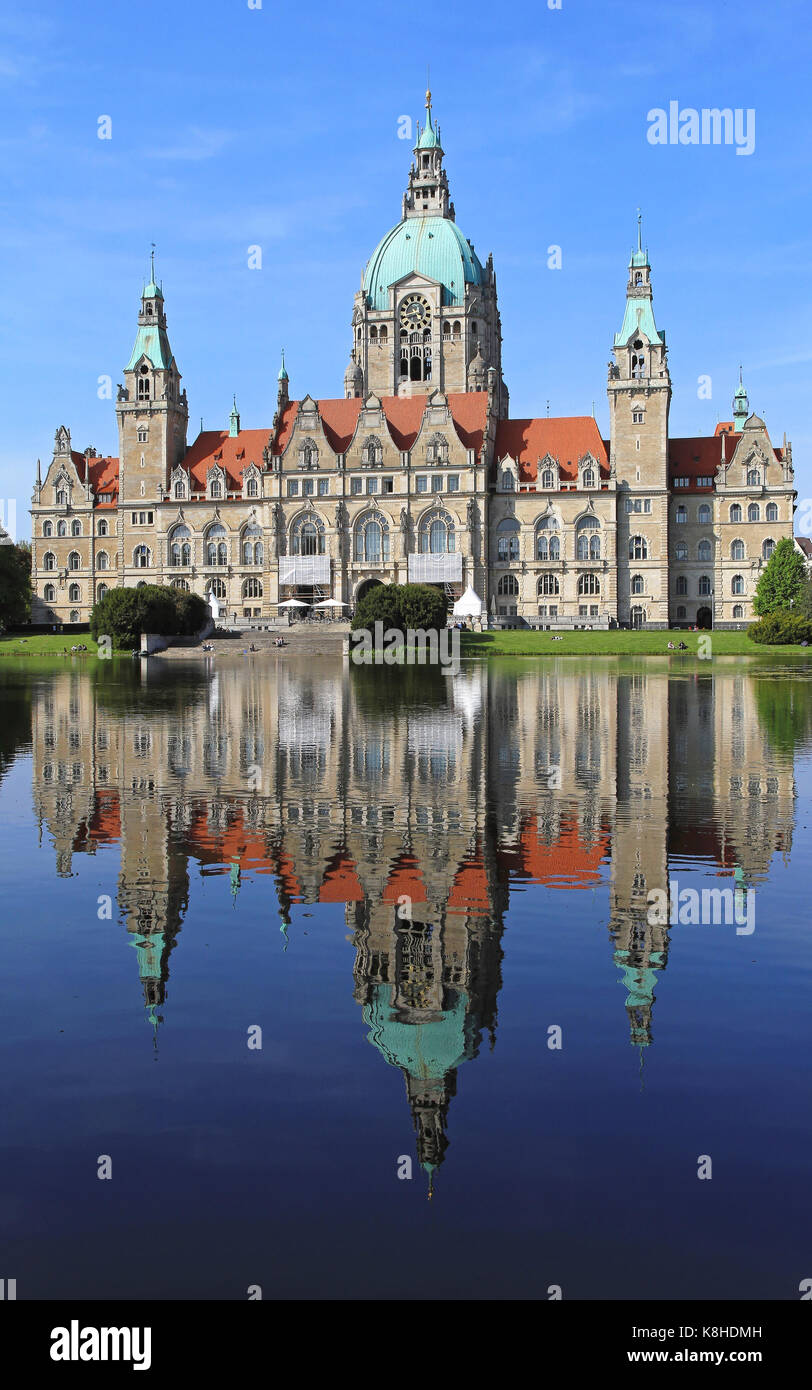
(234,127)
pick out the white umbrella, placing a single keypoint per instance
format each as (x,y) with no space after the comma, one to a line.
(330,603)
(293,603)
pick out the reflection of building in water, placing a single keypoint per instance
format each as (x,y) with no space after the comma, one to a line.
(420,807)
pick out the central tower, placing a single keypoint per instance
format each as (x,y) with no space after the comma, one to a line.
(426,316)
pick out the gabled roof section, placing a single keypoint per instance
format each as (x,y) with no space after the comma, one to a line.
(103,474)
(403,415)
(700,456)
(233,453)
(566,438)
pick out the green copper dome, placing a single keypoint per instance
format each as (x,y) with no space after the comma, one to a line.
(424,1050)
(432,246)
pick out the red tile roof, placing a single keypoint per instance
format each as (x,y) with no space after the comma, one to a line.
(233,454)
(404,416)
(405,880)
(566,438)
(103,475)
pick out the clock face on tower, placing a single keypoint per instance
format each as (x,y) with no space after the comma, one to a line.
(415,312)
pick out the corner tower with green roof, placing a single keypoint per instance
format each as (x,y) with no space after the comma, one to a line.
(427,306)
(639,390)
(152,414)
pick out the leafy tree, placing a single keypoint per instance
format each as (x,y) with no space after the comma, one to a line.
(124,614)
(15,583)
(401,606)
(782,582)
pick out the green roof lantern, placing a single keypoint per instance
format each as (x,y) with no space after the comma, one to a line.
(234,421)
(429,138)
(152,290)
(639,257)
(283,373)
(741,405)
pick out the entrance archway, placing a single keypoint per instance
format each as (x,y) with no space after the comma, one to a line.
(364,588)
(704,617)
(637,617)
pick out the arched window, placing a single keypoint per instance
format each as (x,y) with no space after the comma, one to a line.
(703,551)
(638,548)
(179,490)
(548,543)
(252,550)
(738,611)
(737,550)
(587,546)
(638,277)
(217,587)
(76,527)
(74,594)
(62,528)
(547,478)
(383,336)
(251,488)
(507,539)
(548,584)
(508,584)
(47,528)
(215,488)
(682,584)
(772,511)
(180,546)
(102,560)
(737,584)
(704,585)
(767,549)
(103,529)
(252,588)
(681,551)
(101,592)
(754,512)
(754,478)
(61,497)
(74,615)
(588,584)
(735,512)
(588,478)
(141,557)
(49,593)
(49,560)
(681,515)
(216,545)
(143,384)
(181,584)
(637,583)
(73,560)
(704,514)
(372,539)
(307,537)
(436,535)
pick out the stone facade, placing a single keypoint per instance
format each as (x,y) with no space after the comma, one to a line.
(418,472)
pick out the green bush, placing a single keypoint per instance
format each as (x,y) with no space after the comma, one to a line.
(124,614)
(781,628)
(401,606)
(782,581)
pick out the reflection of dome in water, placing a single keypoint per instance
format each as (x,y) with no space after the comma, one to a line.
(424,1050)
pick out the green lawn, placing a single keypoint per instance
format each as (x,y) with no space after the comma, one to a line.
(47,644)
(616,642)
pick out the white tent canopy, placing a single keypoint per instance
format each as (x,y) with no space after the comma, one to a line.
(330,603)
(469,605)
(293,603)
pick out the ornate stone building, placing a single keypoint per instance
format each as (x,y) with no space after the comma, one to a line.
(418,472)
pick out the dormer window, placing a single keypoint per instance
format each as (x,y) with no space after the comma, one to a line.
(589,478)
(753,478)
(216,489)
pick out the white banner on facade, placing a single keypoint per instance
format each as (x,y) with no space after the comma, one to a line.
(436,569)
(304,570)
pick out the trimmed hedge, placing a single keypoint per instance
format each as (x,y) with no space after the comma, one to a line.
(124,614)
(780,629)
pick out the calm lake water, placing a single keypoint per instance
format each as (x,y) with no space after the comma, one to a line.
(409,883)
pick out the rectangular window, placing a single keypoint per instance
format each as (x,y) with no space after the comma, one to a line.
(453,482)
(422,485)
(372,484)
(647,505)
(436,484)
(293,491)
(307,487)
(581,610)
(324,487)
(542,610)
(553,610)
(387,485)
(355,486)
(593,610)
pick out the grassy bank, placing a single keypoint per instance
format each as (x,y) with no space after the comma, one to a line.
(614,643)
(47,644)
